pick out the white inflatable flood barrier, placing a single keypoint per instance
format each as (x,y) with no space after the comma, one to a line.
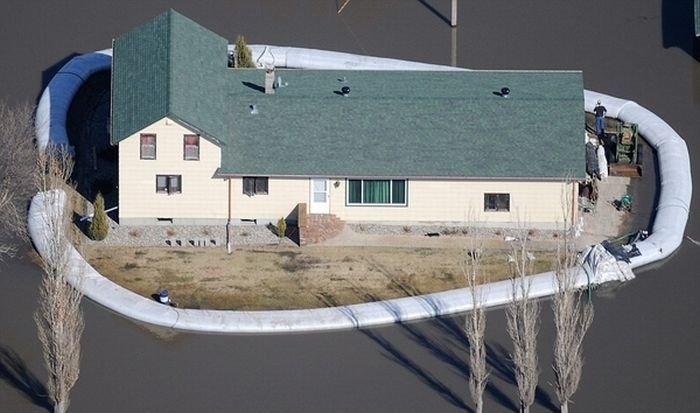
(676,186)
(600,267)
(55,100)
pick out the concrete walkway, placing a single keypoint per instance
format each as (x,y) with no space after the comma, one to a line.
(673,210)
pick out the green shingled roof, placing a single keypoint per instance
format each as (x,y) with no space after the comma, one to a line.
(407,124)
(170,66)
(392,124)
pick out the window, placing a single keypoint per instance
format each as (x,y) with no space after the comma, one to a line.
(376,192)
(255,185)
(169,184)
(191,144)
(497,202)
(148,146)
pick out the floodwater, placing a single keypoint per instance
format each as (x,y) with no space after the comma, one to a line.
(641,352)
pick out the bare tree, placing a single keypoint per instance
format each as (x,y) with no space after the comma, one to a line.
(523,322)
(16,172)
(475,320)
(573,315)
(59,318)
(340,9)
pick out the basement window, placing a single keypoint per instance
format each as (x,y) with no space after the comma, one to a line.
(168,184)
(255,185)
(496,202)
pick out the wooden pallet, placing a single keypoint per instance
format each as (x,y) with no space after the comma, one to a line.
(621,169)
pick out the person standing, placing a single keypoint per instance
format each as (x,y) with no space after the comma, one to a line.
(599,111)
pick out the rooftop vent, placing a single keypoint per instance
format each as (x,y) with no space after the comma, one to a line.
(279,83)
(345,90)
(505,92)
(253,109)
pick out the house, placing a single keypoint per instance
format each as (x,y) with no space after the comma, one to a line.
(202,143)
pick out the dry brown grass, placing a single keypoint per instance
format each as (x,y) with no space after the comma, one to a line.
(272,277)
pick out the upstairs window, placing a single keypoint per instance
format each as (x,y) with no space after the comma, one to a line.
(168,184)
(255,185)
(376,192)
(496,202)
(191,145)
(148,146)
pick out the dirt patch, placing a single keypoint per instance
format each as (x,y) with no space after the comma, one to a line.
(272,277)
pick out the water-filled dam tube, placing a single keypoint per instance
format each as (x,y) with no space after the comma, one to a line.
(675,179)
(55,100)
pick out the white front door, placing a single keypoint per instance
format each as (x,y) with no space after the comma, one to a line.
(320,203)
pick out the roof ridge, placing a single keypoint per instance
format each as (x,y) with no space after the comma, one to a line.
(168,51)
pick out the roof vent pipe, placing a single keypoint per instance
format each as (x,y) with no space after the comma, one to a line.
(269,80)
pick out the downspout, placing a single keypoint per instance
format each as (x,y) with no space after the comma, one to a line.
(574,202)
(228,220)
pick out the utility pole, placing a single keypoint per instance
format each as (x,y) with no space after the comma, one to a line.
(453,51)
(453,18)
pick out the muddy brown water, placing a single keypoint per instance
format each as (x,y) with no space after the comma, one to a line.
(641,353)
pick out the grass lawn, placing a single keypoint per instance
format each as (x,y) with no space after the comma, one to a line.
(285,277)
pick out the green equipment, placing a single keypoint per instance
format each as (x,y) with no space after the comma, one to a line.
(624,203)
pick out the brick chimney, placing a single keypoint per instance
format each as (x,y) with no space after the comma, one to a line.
(269,80)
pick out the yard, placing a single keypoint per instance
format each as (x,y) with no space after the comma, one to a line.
(286,277)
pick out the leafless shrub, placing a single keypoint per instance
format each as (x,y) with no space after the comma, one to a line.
(475,320)
(523,322)
(59,318)
(17,170)
(573,315)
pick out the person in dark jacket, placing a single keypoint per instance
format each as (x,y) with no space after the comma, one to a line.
(599,111)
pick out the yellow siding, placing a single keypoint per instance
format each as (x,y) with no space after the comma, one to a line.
(202,196)
(453,201)
(536,204)
(283,196)
(204,199)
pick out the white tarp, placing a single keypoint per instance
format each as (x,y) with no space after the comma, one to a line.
(602,162)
